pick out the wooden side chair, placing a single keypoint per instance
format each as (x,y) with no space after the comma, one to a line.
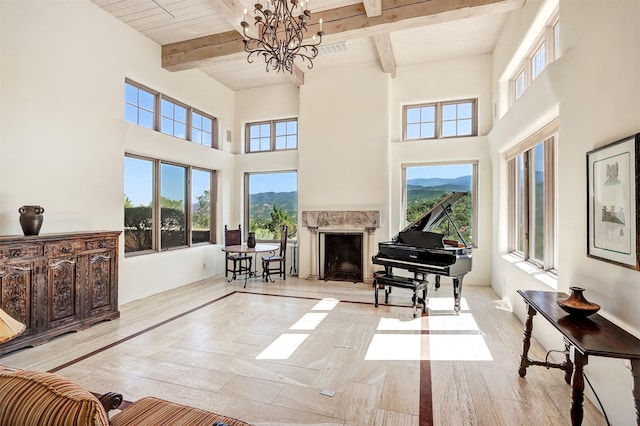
(240,262)
(276,263)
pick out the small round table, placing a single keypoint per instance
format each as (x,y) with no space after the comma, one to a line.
(245,249)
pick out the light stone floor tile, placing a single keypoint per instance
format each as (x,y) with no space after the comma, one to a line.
(211,357)
(308,399)
(359,403)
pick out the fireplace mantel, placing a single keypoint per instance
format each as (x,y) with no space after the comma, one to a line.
(341,218)
(365,220)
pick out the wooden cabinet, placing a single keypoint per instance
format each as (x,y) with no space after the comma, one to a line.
(57,283)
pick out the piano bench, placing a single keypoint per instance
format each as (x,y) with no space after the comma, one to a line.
(387,281)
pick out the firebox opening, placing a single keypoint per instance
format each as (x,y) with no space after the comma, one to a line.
(341,256)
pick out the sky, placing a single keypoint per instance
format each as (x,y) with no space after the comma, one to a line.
(139,178)
(276,182)
(444,171)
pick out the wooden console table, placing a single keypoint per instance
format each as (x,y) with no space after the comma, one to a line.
(593,336)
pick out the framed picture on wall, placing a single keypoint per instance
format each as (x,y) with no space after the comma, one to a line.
(613,202)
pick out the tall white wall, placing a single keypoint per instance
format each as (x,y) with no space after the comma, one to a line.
(343,145)
(456,79)
(594,90)
(63,137)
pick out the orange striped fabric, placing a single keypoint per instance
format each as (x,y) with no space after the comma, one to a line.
(152,411)
(38,398)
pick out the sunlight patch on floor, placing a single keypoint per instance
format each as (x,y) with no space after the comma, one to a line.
(309,321)
(463,322)
(283,347)
(326,304)
(446,304)
(439,347)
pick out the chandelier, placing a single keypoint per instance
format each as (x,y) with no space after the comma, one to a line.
(280,39)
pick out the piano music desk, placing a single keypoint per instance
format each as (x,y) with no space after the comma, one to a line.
(591,336)
(387,281)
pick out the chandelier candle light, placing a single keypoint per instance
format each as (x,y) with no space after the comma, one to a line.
(280,37)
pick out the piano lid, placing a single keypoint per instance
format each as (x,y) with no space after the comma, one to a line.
(432,218)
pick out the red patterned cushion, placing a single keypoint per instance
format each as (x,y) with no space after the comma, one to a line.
(38,398)
(157,412)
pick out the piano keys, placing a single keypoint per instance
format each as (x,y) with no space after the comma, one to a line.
(420,251)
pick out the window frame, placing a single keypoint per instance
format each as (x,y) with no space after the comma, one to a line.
(156,205)
(549,37)
(272,135)
(526,150)
(157,115)
(438,117)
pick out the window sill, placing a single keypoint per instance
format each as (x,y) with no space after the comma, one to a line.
(549,278)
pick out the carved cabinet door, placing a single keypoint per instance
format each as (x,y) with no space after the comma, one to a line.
(17,282)
(61,304)
(101,283)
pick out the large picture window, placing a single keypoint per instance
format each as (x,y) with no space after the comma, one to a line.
(425,185)
(157,215)
(272,201)
(532,206)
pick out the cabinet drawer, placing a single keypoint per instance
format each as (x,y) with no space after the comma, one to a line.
(24,251)
(108,243)
(63,248)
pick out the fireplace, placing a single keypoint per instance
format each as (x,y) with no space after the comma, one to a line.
(341,256)
(352,231)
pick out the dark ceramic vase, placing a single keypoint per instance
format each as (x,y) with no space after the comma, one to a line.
(577,305)
(251,240)
(31,219)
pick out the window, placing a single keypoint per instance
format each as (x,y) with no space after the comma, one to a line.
(532,195)
(173,119)
(138,204)
(440,120)
(538,62)
(173,194)
(157,215)
(271,201)
(202,129)
(545,50)
(425,185)
(420,122)
(275,135)
(520,84)
(201,185)
(141,107)
(457,119)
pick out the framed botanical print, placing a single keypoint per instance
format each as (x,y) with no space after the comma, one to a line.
(613,202)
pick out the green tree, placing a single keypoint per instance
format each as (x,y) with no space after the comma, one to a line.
(280,217)
(202,213)
(461,215)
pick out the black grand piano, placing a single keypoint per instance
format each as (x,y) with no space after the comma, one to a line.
(421,252)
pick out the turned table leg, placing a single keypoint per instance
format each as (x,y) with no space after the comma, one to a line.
(526,342)
(577,388)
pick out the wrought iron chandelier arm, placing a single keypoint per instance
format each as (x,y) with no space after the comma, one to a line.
(280,35)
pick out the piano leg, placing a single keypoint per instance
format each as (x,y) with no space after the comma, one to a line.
(437,282)
(457,290)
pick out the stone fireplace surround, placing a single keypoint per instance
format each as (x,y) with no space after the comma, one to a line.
(347,221)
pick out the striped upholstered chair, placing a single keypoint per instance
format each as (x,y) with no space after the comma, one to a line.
(39,398)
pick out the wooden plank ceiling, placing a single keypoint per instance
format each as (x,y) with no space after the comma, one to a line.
(205,34)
